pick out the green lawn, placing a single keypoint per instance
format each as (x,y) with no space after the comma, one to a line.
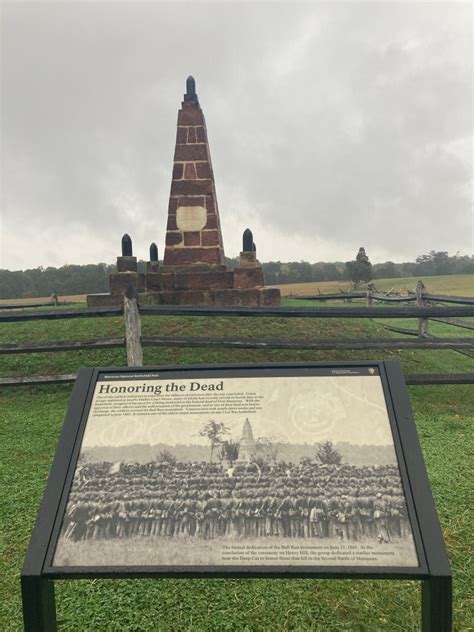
(452,284)
(31,419)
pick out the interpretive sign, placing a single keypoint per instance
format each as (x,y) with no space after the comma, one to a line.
(244,470)
(276,470)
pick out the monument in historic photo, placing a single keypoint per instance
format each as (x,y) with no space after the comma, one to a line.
(193,270)
(247,446)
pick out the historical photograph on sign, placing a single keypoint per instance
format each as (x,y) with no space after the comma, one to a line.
(238,471)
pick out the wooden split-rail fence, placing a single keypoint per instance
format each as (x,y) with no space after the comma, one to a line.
(425,309)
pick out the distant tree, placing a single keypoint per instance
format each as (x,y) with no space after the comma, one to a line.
(409,269)
(229,451)
(214,430)
(231,263)
(267,448)
(387,270)
(322,271)
(271,271)
(360,270)
(306,460)
(69,279)
(328,455)
(435,262)
(165,456)
(299,272)
(92,278)
(284,273)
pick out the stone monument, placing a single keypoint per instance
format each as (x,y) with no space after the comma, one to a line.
(246,445)
(193,270)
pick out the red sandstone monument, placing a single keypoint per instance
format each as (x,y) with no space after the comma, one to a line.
(193,270)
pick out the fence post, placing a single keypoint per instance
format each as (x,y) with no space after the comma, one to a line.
(133,327)
(420,301)
(370,300)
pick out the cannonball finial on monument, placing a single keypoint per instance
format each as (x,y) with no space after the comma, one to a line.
(248,259)
(152,268)
(126,262)
(247,241)
(126,246)
(153,252)
(191,90)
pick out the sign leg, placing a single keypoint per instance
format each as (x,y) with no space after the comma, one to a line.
(39,605)
(437,604)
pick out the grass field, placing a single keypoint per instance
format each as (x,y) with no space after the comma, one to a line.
(456,284)
(31,419)
(67,298)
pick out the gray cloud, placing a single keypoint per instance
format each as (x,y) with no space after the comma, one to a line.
(331,126)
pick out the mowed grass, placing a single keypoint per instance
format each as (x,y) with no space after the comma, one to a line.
(413,361)
(31,420)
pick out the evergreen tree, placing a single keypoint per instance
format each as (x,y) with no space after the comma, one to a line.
(360,270)
(328,455)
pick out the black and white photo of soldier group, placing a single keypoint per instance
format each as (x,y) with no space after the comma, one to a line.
(205,501)
(239,497)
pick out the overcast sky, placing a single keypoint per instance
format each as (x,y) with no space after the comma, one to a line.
(331,126)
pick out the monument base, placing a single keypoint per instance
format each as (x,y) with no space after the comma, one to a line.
(197,285)
(269,297)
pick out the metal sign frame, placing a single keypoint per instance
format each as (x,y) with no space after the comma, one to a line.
(433,570)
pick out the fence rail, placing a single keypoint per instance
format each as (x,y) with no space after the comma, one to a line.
(309,312)
(60,314)
(329,343)
(369,296)
(134,341)
(36,380)
(464,324)
(279,312)
(62,345)
(243,343)
(342,296)
(467,300)
(28,305)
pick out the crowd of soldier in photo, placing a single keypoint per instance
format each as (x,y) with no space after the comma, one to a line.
(202,500)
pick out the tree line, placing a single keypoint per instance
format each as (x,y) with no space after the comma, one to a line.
(266,448)
(93,278)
